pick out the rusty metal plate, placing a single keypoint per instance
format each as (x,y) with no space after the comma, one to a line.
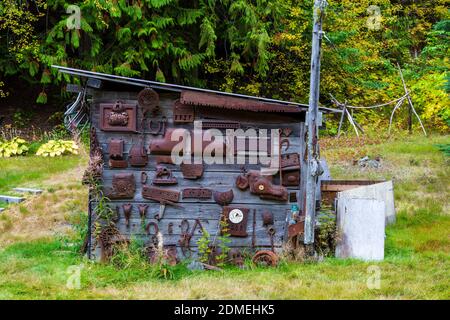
(123,186)
(191,171)
(197,193)
(236,219)
(290,178)
(159,194)
(183,113)
(223,198)
(118,117)
(233,103)
(290,160)
(138,155)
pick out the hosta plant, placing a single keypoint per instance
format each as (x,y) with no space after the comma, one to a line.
(54,148)
(14,147)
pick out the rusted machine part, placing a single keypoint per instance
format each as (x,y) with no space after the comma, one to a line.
(170,254)
(123,187)
(116,216)
(160,195)
(142,210)
(236,219)
(267,218)
(286,132)
(170,228)
(118,117)
(138,155)
(271,232)
(185,239)
(285,142)
(196,193)
(265,258)
(108,238)
(220,124)
(148,100)
(163,176)
(183,113)
(264,188)
(160,129)
(144,177)
(154,237)
(191,171)
(115,150)
(242,182)
(223,198)
(296,229)
(163,159)
(233,103)
(165,145)
(127,208)
(236,257)
(213,253)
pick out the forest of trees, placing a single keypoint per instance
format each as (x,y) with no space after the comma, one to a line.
(257,47)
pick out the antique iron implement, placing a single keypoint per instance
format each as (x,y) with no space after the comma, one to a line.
(290,169)
(261,186)
(160,195)
(127,208)
(163,176)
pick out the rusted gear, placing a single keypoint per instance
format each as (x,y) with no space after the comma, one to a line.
(265,258)
(148,100)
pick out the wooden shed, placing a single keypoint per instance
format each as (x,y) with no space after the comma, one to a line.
(131,123)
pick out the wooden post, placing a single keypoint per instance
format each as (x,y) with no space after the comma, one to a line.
(313,165)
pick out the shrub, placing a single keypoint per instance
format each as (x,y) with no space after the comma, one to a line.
(14,147)
(57,148)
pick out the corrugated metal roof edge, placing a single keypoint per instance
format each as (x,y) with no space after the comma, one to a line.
(173,87)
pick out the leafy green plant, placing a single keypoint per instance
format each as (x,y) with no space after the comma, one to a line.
(204,248)
(57,148)
(14,147)
(223,243)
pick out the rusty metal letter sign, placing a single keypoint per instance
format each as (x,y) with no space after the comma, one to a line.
(123,186)
(160,195)
(196,193)
(118,117)
(236,219)
(115,150)
(164,176)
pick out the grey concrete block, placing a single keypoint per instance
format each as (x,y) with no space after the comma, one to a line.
(10,199)
(28,190)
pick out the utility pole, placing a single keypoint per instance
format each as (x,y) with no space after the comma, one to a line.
(313,164)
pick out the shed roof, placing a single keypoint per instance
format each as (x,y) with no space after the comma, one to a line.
(179,88)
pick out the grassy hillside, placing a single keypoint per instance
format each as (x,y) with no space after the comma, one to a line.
(39,239)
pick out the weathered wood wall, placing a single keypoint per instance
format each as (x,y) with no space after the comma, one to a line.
(219,177)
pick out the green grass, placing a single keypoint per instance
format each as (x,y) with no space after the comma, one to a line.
(416,265)
(32,170)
